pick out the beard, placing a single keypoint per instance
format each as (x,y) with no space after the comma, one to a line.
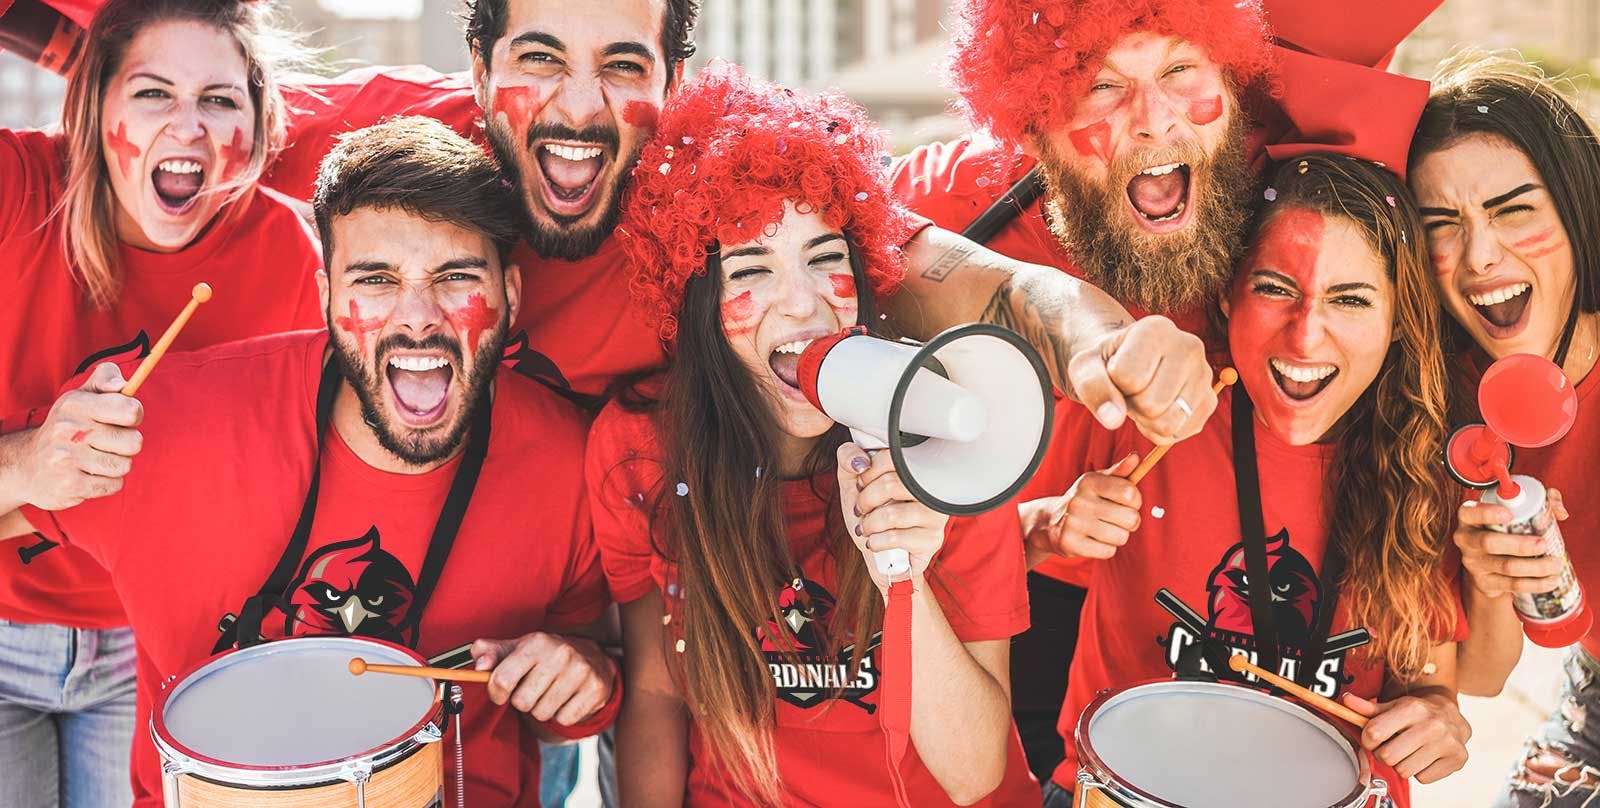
(563,239)
(1160,273)
(432,444)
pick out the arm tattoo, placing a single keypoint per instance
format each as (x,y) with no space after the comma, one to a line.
(951,260)
(1010,307)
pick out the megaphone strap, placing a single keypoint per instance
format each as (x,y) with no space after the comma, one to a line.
(894,713)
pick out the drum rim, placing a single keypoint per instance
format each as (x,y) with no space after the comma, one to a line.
(1090,760)
(190,761)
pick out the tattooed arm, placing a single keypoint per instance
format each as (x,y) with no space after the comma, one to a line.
(1096,354)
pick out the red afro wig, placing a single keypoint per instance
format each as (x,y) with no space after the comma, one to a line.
(728,152)
(1019,66)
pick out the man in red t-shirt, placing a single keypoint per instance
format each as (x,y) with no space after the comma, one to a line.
(392,433)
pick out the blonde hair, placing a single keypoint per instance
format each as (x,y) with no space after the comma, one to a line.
(88,205)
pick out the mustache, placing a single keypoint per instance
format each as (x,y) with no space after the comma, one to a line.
(599,135)
(400,342)
(1187,152)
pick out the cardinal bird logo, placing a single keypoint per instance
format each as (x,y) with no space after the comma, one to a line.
(804,611)
(796,648)
(1291,581)
(352,588)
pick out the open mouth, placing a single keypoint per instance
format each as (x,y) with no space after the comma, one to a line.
(177,184)
(1160,197)
(1301,382)
(1505,308)
(570,173)
(421,387)
(785,361)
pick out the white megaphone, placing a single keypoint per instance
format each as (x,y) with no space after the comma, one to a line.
(966,417)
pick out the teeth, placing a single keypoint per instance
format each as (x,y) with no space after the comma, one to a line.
(179,166)
(1500,295)
(1156,171)
(417,363)
(1302,374)
(574,153)
(795,347)
(1173,215)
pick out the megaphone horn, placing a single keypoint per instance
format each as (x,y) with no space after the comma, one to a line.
(966,417)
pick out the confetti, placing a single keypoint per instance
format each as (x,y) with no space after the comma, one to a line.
(683,489)
(983,182)
(665,168)
(1483,109)
(758,472)
(672,590)
(1060,43)
(861,196)
(1158,511)
(783,145)
(842,139)
(1271,194)
(666,619)
(1304,166)
(687,140)
(1035,18)
(679,646)
(1390,200)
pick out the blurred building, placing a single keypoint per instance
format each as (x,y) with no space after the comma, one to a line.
(30,97)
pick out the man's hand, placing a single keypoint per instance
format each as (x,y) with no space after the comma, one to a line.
(1150,371)
(84,448)
(548,676)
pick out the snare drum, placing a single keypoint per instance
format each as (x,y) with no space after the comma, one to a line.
(285,724)
(1181,744)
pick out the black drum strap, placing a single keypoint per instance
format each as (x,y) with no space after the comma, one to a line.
(1023,193)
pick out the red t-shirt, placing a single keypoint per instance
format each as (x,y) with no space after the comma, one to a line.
(261,263)
(830,751)
(1192,549)
(218,488)
(576,331)
(952,184)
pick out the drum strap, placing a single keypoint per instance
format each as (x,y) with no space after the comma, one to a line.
(246,630)
(1247,483)
(1010,205)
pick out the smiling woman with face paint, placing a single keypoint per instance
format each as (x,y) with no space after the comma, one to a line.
(737,522)
(1335,334)
(106,226)
(1506,170)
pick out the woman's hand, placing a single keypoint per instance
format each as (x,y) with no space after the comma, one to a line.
(1503,563)
(1092,520)
(882,515)
(1421,736)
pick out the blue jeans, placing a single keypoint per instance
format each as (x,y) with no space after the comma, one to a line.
(1570,734)
(66,716)
(558,773)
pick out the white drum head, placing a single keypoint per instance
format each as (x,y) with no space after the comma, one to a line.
(294,703)
(1212,745)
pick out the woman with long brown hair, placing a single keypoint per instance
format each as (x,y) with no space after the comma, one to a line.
(1341,402)
(148,188)
(1507,172)
(737,522)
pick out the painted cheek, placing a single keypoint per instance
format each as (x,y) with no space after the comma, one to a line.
(473,319)
(358,327)
(1093,140)
(641,114)
(235,156)
(736,315)
(520,104)
(843,285)
(1204,112)
(124,151)
(1443,264)
(1540,244)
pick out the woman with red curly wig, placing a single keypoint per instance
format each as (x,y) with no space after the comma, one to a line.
(736,520)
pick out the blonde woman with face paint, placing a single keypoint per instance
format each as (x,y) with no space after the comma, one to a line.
(1334,331)
(148,188)
(1505,169)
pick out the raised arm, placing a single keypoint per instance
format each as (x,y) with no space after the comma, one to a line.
(1096,354)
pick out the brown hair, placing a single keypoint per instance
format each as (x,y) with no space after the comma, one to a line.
(728,539)
(1390,504)
(88,204)
(486,24)
(418,165)
(1475,92)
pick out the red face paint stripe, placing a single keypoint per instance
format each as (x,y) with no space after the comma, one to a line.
(735,312)
(1542,235)
(358,327)
(234,155)
(1549,250)
(520,104)
(843,285)
(126,152)
(1093,140)
(641,114)
(1204,112)
(474,318)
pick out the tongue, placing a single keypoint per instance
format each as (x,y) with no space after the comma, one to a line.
(420,391)
(1506,312)
(787,368)
(569,174)
(1156,197)
(177,186)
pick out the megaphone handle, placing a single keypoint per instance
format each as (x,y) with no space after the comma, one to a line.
(892,564)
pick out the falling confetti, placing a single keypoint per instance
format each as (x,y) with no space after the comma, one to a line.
(1271,194)
(1390,200)
(683,489)
(665,167)
(1035,18)
(679,646)
(1483,109)
(861,196)
(842,139)
(687,140)
(1158,511)
(1304,166)
(666,619)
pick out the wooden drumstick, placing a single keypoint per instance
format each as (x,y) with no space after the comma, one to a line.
(1226,377)
(1241,665)
(201,293)
(359,666)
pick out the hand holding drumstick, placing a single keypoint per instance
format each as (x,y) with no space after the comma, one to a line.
(87,442)
(1095,517)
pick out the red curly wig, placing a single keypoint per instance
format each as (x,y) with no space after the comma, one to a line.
(1019,66)
(728,152)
